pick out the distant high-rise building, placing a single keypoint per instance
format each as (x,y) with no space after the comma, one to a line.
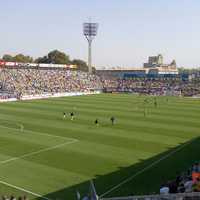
(155,66)
(157,61)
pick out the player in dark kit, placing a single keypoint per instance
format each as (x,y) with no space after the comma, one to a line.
(144,112)
(96,122)
(112,119)
(155,103)
(72,116)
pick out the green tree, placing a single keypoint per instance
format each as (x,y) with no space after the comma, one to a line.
(58,57)
(17,58)
(188,70)
(7,58)
(81,65)
(55,57)
(22,58)
(93,70)
(42,60)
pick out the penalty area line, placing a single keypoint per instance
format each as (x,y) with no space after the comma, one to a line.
(24,190)
(37,152)
(73,140)
(146,168)
(40,133)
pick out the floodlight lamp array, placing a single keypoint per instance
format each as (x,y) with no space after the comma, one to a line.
(90,29)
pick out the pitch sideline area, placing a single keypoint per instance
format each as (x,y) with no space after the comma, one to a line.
(107,192)
(100,150)
(70,141)
(131,178)
(110,190)
(18,131)
(24,190)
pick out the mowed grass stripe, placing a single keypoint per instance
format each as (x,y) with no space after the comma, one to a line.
(59,152)
(129,102)
(38,177)
(102,150)
(175,131)
(117,106)
(149,120)
(154,114)
(26,144)
(99,137)
(91,132)
(130,122)
(109,161)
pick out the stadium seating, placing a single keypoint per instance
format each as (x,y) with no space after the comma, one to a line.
(32,81)
(179,196)
(14,198)
(26,81)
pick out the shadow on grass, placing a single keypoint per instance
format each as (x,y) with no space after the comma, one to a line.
(179,160)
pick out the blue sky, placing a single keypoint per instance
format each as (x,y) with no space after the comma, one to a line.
(129,30)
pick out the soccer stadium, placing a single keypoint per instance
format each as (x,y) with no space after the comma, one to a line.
(72,130)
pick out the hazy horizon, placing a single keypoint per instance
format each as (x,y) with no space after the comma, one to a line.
(129,30)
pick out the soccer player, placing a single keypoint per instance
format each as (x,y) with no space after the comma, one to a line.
(21,127)
(155,103)
(96,122)
(72,115)
(112,119)
(145,100)
(144,112)
(64,115)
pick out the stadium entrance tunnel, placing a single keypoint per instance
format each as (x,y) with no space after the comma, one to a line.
(142,178)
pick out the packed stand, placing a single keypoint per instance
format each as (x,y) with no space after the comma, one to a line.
(31,81)
(23,81)
(184,183)
(14,198)
(152,86)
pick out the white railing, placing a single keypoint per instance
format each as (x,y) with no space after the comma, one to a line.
(178,196)
(49,95)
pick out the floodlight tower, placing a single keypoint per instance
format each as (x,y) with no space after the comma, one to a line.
(90,31)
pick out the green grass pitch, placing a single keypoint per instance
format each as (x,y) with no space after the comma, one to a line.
(44,154)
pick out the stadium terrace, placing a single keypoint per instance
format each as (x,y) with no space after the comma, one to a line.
(32,81)
(154,68)
(121,136)
(35,65)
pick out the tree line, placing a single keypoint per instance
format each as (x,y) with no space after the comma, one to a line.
(54,57)
(189,70)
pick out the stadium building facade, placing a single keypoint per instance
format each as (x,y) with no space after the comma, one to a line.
(154,68)
(36,65)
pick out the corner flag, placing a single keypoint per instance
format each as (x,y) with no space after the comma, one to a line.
(78,195)
(92,191)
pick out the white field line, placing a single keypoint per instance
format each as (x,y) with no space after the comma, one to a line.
(39,133)
(36,152)
(30,154)
(24,190)
(146,168)
(73,140)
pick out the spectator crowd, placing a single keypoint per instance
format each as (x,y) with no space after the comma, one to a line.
(152,86)
(184,183)
(14,198)
(24,81)
(31,81)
